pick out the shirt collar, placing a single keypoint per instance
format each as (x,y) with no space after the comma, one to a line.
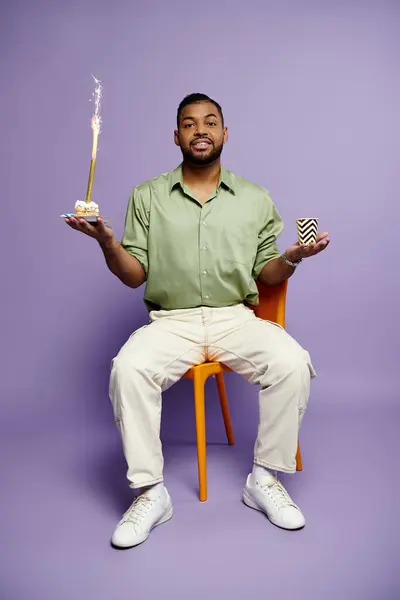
(225,178)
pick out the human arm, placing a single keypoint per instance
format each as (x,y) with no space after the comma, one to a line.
(121,263)
(277,269)
(127,260)
(270,266)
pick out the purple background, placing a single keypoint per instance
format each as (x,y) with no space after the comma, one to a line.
(311,93)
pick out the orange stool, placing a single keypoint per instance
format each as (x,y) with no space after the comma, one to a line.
(272,307)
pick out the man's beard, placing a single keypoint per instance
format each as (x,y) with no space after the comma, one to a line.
(199,159)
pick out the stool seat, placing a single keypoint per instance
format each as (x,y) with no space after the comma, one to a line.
(211,368)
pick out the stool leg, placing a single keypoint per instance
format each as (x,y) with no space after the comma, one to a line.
(299,462)
(225,408)
(200,416)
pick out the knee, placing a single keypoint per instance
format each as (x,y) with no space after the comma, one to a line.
(293,365)
(125,367)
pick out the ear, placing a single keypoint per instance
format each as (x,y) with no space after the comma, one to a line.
(225,135)
(176,137)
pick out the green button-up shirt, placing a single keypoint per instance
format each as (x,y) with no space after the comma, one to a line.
(201,255)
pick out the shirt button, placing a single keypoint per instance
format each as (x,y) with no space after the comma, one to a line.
(204,223)
(204,247)
(204,272)
(206,296)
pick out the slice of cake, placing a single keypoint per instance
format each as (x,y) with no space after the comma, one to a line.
(86,209)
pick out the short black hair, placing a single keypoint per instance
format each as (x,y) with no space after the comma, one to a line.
(194,99)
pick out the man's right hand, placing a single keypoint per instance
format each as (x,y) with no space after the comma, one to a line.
(100,232)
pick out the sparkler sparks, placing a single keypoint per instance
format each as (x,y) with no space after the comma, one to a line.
(96,99)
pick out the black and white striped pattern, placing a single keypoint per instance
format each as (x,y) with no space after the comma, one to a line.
(307,230)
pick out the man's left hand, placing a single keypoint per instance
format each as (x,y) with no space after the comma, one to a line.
(300,251)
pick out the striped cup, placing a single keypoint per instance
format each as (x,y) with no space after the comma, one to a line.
(307,230)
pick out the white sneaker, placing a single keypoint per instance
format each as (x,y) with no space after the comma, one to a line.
(268,495)
(148,510)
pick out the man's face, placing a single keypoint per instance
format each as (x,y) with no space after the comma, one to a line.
(201,135)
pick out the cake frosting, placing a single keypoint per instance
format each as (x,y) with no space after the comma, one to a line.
(86,209)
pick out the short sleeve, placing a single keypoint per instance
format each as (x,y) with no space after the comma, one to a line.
(135,237)
(271,226)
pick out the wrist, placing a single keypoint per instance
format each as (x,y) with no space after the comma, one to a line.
(108,245)
(290,260)
(292,254)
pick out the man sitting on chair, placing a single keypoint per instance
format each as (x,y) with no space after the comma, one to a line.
(200,237)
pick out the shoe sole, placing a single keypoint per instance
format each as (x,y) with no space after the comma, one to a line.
(166,517)
(248,501)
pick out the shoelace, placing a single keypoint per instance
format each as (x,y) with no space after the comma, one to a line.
(139,508)
(278,494)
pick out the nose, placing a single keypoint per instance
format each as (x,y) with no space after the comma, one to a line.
(200,130)
(200,133)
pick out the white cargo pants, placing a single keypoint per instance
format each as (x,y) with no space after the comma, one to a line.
(157,355)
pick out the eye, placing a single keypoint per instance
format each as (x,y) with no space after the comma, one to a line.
(187,125)
(212,124)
